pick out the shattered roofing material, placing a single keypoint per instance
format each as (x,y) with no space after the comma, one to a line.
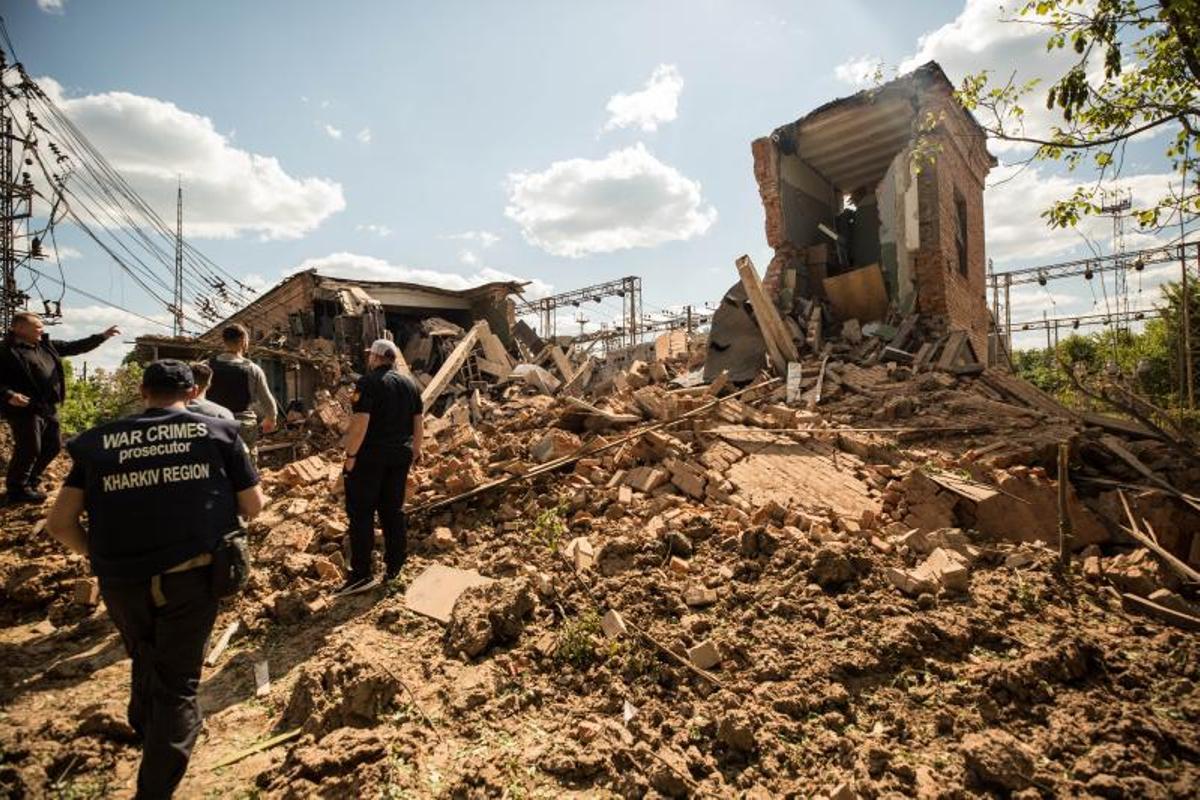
(852,140)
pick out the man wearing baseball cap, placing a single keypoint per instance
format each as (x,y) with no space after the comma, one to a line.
(161,489)
(383,441)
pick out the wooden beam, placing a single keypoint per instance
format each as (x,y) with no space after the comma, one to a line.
(1174,564)
(780,346)
(493,348)
(450,366)
(581,377)
(952,350)
(1114,446)
(494,368)
(562,363)
(1131,602)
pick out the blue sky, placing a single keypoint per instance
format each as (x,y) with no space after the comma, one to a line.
(397,130)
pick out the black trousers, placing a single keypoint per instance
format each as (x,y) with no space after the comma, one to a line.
(377,488)
(167,647)
(36,441)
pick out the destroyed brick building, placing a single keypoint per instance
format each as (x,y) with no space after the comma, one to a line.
(309,322)
(874,204)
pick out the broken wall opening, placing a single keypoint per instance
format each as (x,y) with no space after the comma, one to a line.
(848,195)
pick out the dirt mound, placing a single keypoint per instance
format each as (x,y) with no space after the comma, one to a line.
(339,689)
(489,615)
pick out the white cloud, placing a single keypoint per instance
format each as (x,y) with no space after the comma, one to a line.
(332,132)
(627,199)
(255,282)
(484,238)
(382,231)
(52,6)
(656,103)
(980,38)
(469,258)
(364,136)
(227,191)
(64,252)
(80,321)
(1016,197)
(859,72)
(354,265)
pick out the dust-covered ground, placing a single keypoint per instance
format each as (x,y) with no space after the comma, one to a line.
(772,645)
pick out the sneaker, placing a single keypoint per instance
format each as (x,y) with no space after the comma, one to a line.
(355,585)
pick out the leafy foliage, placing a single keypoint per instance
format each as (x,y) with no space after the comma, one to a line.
(103,396)
(1137,70)
(1151,361)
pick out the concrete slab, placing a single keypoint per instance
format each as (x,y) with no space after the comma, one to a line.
(435,590)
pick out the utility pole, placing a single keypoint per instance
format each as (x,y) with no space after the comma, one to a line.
(179,260)
(1007,315)
(9,301)
(689,321)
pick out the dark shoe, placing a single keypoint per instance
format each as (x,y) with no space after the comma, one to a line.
(393,572)
(355,585)
(17,496)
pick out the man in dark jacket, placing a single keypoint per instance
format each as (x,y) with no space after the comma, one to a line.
(160,489)
(32,385)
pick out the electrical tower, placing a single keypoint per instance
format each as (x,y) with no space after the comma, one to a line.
(178,327)
(1114,203)
(629,289)
(16,199)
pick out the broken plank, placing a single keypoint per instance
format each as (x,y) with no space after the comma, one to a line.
(1174,564)
(1116,448)
(814,396)
(607,416)
(795,374)
(780,346)
(262,678)
(904,332)
(265,744)
(222,642)
(581,377)
(1131,602)
(924,354)
(493,348)
(494,368)
(562,363)
(952,350)
(450,366)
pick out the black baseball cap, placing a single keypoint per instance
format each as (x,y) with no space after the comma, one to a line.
(168,375)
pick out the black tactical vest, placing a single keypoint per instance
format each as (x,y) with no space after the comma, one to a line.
(231,382)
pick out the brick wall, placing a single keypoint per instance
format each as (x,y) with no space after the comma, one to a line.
(958,172)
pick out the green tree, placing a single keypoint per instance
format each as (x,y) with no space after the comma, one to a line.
(1137,70)
(103,396)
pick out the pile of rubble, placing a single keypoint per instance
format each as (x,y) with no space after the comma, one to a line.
(844,579)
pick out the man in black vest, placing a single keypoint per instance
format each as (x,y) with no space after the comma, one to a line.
(32,385)
(383,441)
(241,386)
(160,488)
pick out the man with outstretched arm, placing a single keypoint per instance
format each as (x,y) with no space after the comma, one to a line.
(161,489)
(384,440)
(32,386)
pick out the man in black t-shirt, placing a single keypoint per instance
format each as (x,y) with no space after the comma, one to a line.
(384,440)
(160,488)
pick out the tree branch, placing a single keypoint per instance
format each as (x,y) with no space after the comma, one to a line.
(1085,145)
(1184,36)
